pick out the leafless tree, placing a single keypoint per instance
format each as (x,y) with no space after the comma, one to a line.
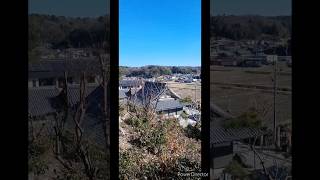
(105,74)
(81,148)
(143,104)
(101,49)
(60,118)
(34,133)
(252,146)
(265,170)
(78,119)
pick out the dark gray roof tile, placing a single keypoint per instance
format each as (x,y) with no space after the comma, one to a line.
(39,100)
(130,83)
(220,134)
(164,105)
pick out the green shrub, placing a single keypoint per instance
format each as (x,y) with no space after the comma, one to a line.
(187,99)
(193,132)
(169,170)
(151,134)
(37,165)
(152,137)
(128,164)
(247,119)
(235,169)
(68,150)
(138,124)
(121,110)
(131,167)
(36,151)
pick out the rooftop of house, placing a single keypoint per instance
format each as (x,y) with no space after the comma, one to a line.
(57,67)
(40,100)
(153,91)
(45,100)
(130,83)
(221,135)
(168,104)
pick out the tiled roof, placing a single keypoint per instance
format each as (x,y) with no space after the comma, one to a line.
(92,123)
(220,134)
(41,103)
(130,83)
(151,90)
(154,90)
(74,93)
(56,68)
(39,100)
(92,128)
(164,105)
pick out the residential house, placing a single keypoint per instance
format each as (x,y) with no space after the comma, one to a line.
(47,96)
(223,141)
(46,102)
(127,84)
(52,72)
(157,95)
(223,145)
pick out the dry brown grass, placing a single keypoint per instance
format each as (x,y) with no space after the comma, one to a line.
(186,90)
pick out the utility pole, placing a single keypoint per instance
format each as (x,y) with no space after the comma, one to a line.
(274,101)
(195,92)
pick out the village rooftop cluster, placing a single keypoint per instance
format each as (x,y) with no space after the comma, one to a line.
(247,53)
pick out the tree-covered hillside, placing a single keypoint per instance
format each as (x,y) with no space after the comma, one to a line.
(251,27)
(63,32)
(155,71)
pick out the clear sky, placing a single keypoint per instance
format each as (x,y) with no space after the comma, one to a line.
(255,7)
(73,8)
(160,32)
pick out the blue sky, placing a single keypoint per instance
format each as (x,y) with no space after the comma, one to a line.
(160,32)
(256,7)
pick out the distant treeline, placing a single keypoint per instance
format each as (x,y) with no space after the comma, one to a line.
(251,27)
(155,71)
(67,32)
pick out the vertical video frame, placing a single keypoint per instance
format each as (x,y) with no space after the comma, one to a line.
(160,89)
(68,108)
(250,89)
